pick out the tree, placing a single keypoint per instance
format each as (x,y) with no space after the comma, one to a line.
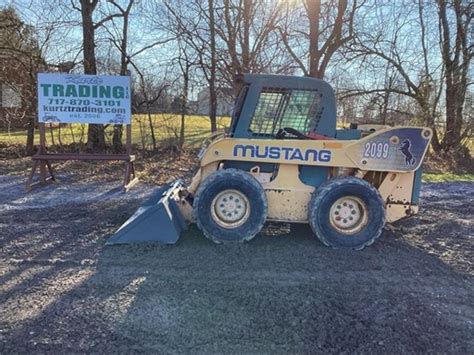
(229,38)
(124,61)
(95,134)
(457,54)
(247,30)
(415,61)
(322,27)
(21,58)
(195,25)
(185,64)
(212,68)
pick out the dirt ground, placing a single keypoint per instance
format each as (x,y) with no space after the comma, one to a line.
(62,290)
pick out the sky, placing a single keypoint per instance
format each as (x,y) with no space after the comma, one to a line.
(147,25)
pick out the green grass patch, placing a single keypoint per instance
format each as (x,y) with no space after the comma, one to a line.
(166,126)
(443,177)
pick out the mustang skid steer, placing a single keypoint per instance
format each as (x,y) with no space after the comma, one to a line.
(283,159)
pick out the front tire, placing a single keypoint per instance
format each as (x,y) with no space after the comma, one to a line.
(230,206)
(347,212)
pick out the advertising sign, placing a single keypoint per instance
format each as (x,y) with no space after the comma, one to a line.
(79,98)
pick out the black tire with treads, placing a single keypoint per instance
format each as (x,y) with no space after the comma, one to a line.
(237,180)
(334,189)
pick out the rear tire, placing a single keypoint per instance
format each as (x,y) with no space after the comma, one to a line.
(230,206)
(347,212)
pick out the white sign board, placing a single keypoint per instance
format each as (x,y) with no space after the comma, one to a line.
(78,98)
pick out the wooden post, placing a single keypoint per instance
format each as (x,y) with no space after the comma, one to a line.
(130,178)
(129,139)
(42,163)
(42,150)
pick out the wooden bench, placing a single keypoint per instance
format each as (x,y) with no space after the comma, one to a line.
(43,160)
(83,156)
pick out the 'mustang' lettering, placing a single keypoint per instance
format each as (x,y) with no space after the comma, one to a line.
(286,153)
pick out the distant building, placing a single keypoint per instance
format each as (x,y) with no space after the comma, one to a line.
(225,102)
(10,96)
(14,98)
(160,101)
(193,106)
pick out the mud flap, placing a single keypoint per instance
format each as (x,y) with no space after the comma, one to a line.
(159,219)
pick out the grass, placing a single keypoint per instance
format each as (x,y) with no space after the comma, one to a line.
(166,126)
(448,176)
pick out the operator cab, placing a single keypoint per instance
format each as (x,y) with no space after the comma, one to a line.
(286,107)
(277,106)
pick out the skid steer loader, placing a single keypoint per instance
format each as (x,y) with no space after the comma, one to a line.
(284,160)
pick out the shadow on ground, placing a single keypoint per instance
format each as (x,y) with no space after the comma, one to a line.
(62,290)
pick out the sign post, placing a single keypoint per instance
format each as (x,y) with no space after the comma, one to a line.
(77,98)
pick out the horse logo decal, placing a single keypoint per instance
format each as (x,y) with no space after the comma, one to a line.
(405,149)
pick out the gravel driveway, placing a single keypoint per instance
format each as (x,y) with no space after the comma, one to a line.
(61,290)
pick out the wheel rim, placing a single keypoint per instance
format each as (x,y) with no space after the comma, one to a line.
(230,209)
(348,215)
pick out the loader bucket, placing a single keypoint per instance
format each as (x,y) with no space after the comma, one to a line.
(157,220)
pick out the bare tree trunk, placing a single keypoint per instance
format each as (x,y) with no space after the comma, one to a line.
(184,104)
(142,135)
(212,74)
(59,136)
(185,64)
(95,134)
(117,138)
(118,129)
(30,136)
(147,102)
(456,60)
(52,134)
(231,40)
(385,107)
(314,9)
(247,13)
(325,35)
(72,134)
(147,106)
(150,122)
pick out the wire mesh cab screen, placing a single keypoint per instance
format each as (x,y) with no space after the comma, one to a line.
(282,108)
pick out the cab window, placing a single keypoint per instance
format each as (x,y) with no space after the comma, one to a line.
(286,108)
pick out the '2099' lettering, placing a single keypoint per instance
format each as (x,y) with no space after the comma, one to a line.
(376,150)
